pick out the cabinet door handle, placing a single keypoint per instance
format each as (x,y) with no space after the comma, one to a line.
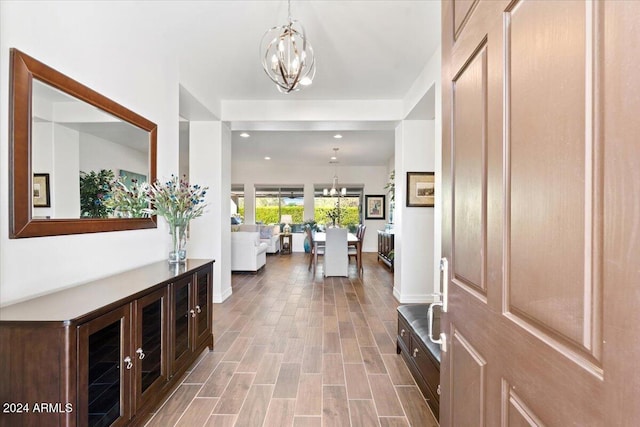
(415,352)
(198,310)
(127,360)
(193,313)
(402,332)
(140,353)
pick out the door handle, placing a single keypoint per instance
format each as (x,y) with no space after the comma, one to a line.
(442,340)
(444,274)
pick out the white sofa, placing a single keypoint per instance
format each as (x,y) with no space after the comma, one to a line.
(248,253)
(269,234)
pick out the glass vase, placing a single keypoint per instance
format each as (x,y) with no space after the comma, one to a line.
(178,251)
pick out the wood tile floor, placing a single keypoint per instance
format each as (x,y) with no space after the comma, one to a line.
(295,350)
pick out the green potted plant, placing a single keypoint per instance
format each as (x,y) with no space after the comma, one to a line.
(391,186)
(94,191)
(334,214)
(391,189)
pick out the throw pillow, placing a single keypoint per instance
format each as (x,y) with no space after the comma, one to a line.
(266,232)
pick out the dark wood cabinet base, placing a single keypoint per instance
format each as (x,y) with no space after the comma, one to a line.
(422,358)
(386,248)
(103,353)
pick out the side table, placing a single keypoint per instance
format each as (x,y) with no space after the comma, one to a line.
(286,243)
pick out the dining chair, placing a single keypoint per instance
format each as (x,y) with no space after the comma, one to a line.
(353,250)
(336,260)
(314,248)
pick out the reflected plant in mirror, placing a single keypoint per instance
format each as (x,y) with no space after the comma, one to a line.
(95,189)
(128,201)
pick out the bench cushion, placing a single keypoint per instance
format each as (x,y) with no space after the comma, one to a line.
(416,316)
(413,312)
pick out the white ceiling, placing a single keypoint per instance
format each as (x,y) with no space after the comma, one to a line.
(315,148)
(365,50)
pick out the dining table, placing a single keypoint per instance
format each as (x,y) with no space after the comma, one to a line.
(320,239)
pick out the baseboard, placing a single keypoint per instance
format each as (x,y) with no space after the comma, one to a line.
(226,294)
(413,299)
(396,294)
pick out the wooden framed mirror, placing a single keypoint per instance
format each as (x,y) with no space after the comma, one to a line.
(61,129)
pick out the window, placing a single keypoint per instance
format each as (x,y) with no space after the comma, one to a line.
(273,202)
(237,203)
(350,207)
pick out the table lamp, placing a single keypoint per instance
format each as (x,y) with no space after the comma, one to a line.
(286,219)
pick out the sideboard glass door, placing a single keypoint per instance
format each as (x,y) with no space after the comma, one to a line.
(182,313)
(151,339)
(104,370)
(203,305)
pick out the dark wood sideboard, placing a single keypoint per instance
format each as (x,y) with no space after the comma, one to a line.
(105,353)
(386,248)
(419,352)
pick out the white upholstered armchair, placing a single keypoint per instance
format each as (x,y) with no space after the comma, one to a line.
(248,253)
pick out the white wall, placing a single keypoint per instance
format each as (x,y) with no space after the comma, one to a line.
(65,179)
(42,157)
(55,151)
(418,230)
(63,153)
(116,49)
(414,226)
(210,144)
(98,153)
(374,178)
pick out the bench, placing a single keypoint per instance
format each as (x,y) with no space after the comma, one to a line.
(422,355)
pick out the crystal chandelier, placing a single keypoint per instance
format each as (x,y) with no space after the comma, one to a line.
(334,188)
(288,57)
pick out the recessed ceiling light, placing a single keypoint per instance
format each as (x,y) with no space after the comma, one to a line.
(267,158)
(337,136)
(245,135)
(334,158)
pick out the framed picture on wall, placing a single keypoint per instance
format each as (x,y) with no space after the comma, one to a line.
(420,189)
(41,192)
(374,206)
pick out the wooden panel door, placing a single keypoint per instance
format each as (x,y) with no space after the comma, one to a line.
(541,208)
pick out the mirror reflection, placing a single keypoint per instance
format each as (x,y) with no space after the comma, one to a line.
(85,162)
